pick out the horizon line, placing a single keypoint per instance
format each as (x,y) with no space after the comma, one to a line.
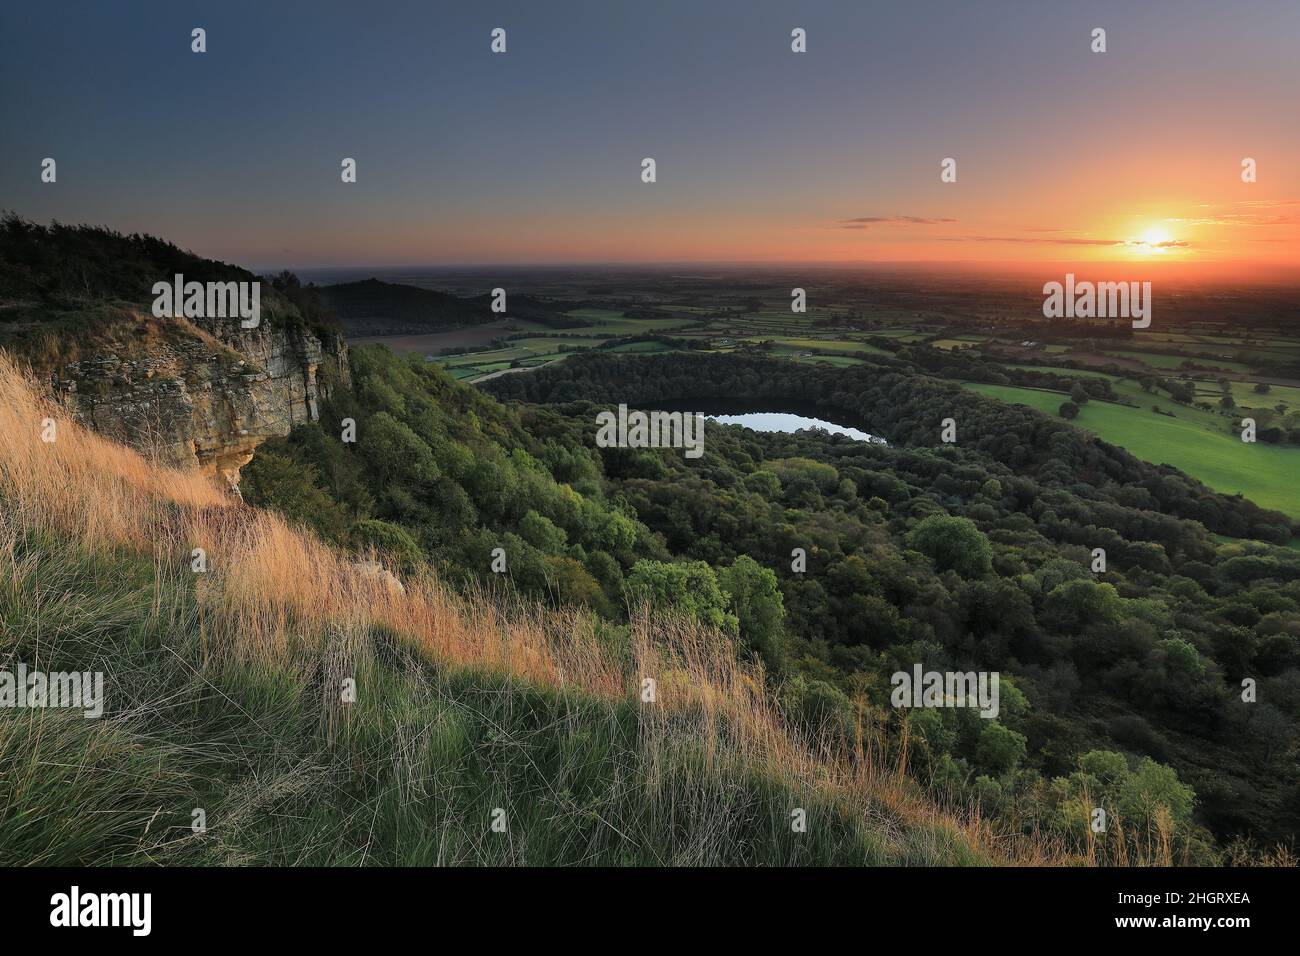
(1007,268)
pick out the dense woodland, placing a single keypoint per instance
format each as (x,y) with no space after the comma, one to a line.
(1121,689)
(71,280)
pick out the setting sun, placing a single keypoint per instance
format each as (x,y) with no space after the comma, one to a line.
(1155,241)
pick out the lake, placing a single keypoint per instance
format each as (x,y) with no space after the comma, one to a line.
(761,419)
(786,422)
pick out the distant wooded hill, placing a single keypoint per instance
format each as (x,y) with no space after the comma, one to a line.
(373,307)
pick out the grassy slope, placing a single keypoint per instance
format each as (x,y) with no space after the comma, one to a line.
(1264,473)
(223,693)
(409,775)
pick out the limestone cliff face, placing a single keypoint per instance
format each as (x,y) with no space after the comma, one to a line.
(202,392)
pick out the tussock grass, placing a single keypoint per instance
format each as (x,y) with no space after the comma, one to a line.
(225,694)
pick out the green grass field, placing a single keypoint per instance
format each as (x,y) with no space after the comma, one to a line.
(839,361)
(640,347)
(614,322)
(797,344)
(1245,394)
(1264,473)
(1161,361)
(1153,359)
(546,346)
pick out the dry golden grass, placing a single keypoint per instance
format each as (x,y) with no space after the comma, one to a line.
(273,593)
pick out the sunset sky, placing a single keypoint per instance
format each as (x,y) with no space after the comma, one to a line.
(465,156)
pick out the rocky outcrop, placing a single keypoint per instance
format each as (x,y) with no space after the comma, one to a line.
(203,392)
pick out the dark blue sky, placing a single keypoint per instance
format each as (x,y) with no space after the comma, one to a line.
(534,155)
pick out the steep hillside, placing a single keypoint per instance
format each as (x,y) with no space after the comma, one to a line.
(282,705)
(1118,686)
(1085,577)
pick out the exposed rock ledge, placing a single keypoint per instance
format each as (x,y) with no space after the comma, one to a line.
(203,393)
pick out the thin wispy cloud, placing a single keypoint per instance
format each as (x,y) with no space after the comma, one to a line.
(1242,219)
(1068,241)
(862,222)
(1228,218)
(1267,203)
